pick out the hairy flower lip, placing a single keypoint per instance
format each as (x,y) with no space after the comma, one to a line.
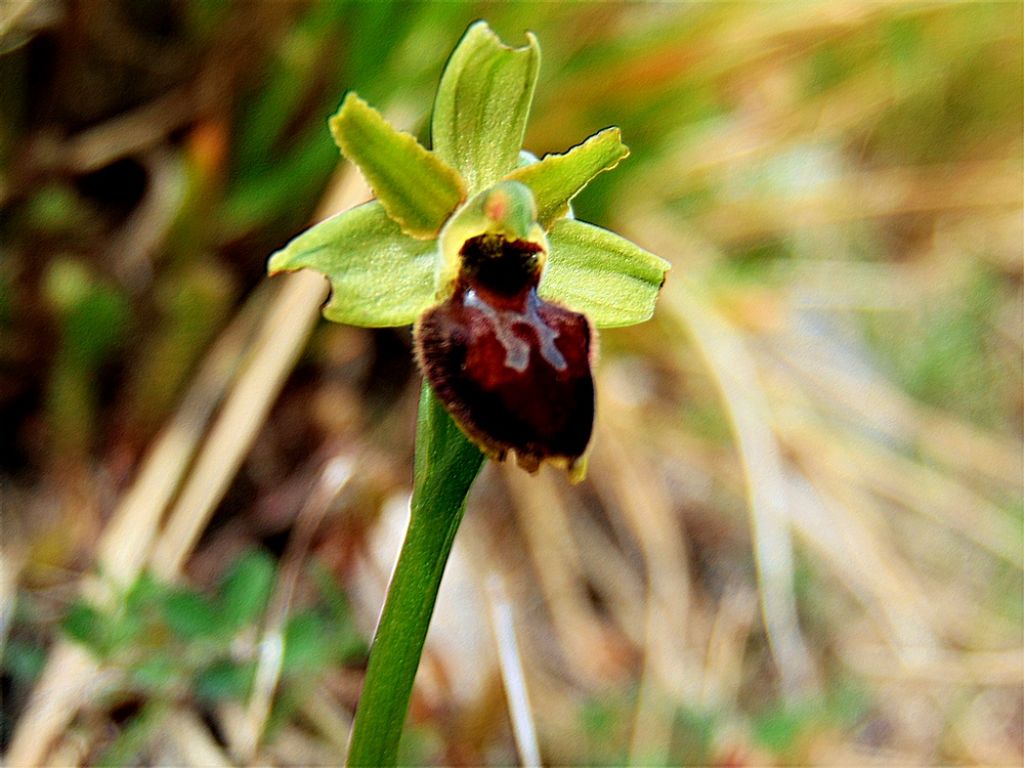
(515,373)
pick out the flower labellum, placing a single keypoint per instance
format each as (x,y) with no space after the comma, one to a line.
(511,368)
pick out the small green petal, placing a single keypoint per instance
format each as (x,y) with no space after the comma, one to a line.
(417,188)
(379,276)
(557,179)
(600,274)
(482,105)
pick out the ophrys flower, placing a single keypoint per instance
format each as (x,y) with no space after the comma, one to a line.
(478,248)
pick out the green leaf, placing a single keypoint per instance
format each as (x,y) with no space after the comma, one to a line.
(482,105)
(557,179)
(379,276)
(144,593)
(86,625)
(247,588)
(224,680)
(594,271)
(416,188)
(307,644)
(156,673)
(190,615)
(130,743)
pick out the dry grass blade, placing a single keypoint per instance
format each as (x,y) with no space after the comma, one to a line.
(289,321)
(511,665)
(738,380)
(293,313)
(833,519)
(191,744)
(723,665)
(876,194)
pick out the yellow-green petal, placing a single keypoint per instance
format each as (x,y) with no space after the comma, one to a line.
(482,105)
(416,187)
(591,270)
(379,276)
(557,179)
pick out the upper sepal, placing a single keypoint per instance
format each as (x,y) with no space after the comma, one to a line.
(482,106)
(605,276)
(379,276)
(416,187)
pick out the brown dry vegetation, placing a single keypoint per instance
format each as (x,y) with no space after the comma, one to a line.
(801,539)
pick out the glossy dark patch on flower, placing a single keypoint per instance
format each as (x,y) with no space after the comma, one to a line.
(513,369)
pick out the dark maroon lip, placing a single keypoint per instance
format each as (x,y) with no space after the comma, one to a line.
(511,368)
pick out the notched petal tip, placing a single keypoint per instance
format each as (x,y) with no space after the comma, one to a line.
(480,32)
(277,263)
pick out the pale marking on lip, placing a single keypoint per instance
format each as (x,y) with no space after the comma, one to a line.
(517,351)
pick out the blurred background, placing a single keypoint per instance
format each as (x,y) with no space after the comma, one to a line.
(802,536)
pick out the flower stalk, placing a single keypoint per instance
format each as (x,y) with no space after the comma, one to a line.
(446,465)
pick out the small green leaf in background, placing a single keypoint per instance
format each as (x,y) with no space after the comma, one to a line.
(93,312)
(190,615)
(86,625)
(693,736)
(482,106)
(224,680)
(317,638)
(246,589)
(306,645)
(379,276)
(127,747)
(594,271)
(417,189)
(158,673)
(557,179)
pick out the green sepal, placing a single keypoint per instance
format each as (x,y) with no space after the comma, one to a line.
(416,187)
(482,106)
(379,276)
(557,179)
(594,271)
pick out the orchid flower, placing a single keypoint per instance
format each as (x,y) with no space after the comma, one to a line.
(474,242)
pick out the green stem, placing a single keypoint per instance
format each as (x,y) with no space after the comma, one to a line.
(446,465)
